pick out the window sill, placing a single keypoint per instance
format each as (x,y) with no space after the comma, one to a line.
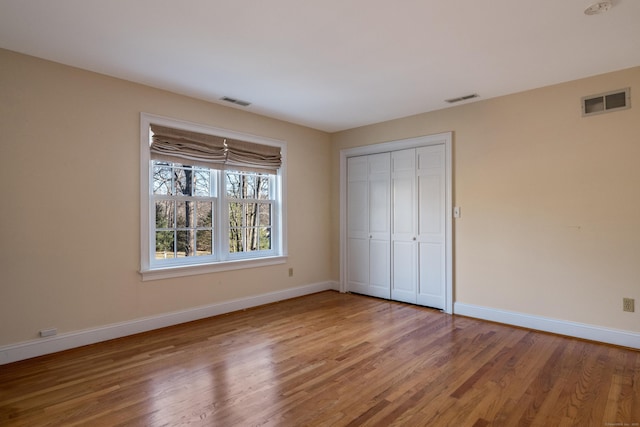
(192,270)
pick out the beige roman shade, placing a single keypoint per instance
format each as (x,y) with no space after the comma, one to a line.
(249,156)
(216,152)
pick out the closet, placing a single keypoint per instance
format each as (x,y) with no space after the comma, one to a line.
(396,223)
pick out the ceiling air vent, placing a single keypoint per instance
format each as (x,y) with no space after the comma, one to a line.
(461,98)
(605,102)
(235,101)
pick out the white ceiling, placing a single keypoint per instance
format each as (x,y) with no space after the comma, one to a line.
(329,64)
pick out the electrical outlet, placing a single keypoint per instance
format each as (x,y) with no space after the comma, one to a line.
(291,272)
(628,304)
(48,332)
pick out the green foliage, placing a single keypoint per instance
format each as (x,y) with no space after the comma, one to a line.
(164,239)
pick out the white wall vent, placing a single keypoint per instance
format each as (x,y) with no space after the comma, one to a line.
(605,102)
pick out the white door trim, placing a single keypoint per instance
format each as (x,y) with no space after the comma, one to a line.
(421,141)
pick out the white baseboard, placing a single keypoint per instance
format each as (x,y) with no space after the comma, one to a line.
(28,349)
(562,327)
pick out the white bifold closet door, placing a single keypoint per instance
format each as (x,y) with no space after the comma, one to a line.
(368,225)
(396,230)
(418,249)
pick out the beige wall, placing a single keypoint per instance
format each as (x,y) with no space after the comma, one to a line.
(550,201)
(69,217)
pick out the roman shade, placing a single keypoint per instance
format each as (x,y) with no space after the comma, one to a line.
(248,156)
(211,151)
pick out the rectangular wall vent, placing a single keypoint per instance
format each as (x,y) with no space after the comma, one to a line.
(461,98)
(606,102)
(235,101)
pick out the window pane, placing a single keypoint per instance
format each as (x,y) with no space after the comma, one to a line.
(251,214)
(263,187)
(235,240)
(202,180)
(165,214)
(241,185)
(265,214)
(249,226)
(161,178)
(264,238)
(183,179)
(235,214)
(249,186)
(185,214)
(250,239)
(204,242)
(185,243)
(164,244)
(204,212)
(233,185)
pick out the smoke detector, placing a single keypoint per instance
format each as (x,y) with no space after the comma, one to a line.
(598,8)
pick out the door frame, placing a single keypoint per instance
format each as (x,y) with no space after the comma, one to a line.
(401,144)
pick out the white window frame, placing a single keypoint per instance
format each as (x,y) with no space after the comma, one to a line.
(224,261)
(192,260)
(225,228)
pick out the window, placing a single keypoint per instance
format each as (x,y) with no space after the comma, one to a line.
(184,201)
(211,199)
(250,202)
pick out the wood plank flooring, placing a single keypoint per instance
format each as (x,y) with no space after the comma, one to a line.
(329,359)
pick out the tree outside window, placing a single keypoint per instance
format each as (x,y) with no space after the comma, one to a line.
(250,211)
(184,210)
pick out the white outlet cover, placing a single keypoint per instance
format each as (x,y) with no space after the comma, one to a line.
(48,332)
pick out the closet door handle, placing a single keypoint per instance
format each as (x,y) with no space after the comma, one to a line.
(414,238)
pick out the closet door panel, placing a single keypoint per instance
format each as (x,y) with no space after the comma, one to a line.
(403,229)
(404,272)
(358,262)
(379,224)
(357,224)
(368,225)
(431,225)
(379,195)
(358,219)
(403,215)
(431,290)
(358,197)
(379,208)
(379,271)
(431,222)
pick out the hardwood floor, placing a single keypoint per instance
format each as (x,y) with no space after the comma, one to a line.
(329,359)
